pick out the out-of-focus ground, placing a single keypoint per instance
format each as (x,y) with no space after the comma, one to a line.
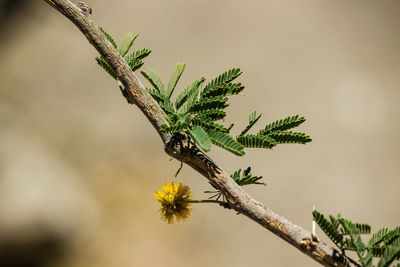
(78,166)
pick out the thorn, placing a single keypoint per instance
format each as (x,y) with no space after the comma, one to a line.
(85,8)
(124,93)
(314,226)
(179,170)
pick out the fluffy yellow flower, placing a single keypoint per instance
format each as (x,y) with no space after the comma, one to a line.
(175,201)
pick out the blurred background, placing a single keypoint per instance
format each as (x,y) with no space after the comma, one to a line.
(78,166)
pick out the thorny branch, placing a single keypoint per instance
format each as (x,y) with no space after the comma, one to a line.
(185,151)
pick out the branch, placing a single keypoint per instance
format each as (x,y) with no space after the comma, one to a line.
(181,147)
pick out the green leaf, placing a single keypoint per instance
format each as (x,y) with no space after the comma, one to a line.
(153,78)
(256,141)
(134,58)
(246,177)
(103,63)
(180,67)
(234,88)
(354,242)
(189,94)
(335,222)
(283,124)
(164,103)
(346,235)
(378,251)
(177,122)
(222,79)
(358,243)
(167,107)
(126,43)
(227,142)
(253,118)
(328,228)
(201,138)
(355,228)
(209,124)
(284,137)
(212,103)
(213,114)
(391,253)
(224,90)
(392,235)
(139,54)
(366,260)
(109,37)
(135,64)
(175,128)
(348,244)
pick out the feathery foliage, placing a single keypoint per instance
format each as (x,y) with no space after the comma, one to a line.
(103,63)
(189,94)
(256,141)
(283,124)
(347,235)
(253,118)
(329,228)
(246,177)
(109,37)
(180,67)
(133,59)
(203,106)
(274,133)
(126,43)
(227,142)
(155,81)
(241,178)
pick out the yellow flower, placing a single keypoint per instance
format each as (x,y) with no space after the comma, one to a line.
(175,201)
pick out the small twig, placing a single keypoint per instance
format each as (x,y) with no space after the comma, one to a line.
(236,197)
(208,201)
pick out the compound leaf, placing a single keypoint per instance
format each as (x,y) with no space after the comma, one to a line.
(224,90)
(109,37)
(328,228)
(103,63)
(227,142)
(213,114)
(222,79)
(282,137)
(256,141)
(253,118)
(153,78)
(283,124)
(180,67)
(126,43)
(188,95)
(391,253)
(134,59)
(211,103)
(209,124)
(246,177)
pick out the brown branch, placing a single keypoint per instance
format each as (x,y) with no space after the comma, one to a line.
(186,152)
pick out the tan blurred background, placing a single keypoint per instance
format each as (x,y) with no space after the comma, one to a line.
(78,166)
